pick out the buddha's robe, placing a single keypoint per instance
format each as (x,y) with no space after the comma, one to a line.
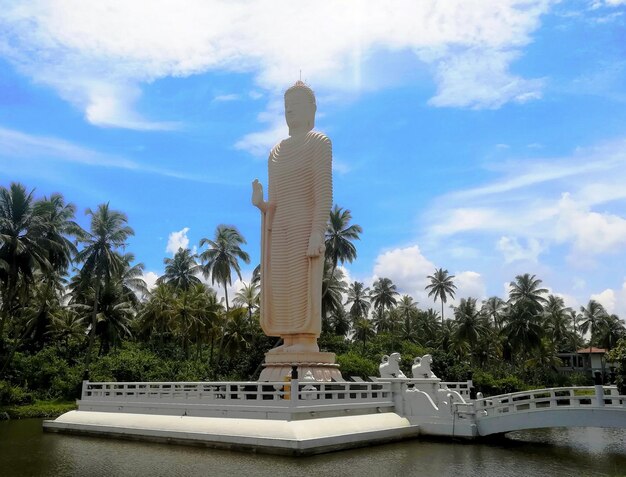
(300,188)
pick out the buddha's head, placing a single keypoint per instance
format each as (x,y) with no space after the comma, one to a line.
(300,108)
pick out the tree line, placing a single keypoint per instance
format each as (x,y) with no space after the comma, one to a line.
(73,304)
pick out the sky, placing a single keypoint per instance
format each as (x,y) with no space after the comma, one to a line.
(486,137)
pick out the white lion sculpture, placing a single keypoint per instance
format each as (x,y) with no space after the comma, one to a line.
(390,367)
(421,367)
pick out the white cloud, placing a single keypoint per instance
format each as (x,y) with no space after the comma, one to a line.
(177,240)
(150,278)
(514,251)
(606,298)
(480,79)
(549,203)
(223,98)
(408,269)
(16,144)
(469,284)
(589,231)
(260,143)
(96,55)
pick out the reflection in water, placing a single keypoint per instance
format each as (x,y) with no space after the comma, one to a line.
(26,451)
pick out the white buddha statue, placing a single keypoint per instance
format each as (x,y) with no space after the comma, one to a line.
(294,221)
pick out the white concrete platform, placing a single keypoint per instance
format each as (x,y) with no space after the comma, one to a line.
(297,437)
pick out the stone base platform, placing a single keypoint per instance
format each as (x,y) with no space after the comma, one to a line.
(299,437)
(279,364)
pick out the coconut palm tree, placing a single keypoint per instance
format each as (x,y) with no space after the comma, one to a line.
(383,295)
(108,233)
(22,249)
(358,296)
(222,256)
(611,330)
(441,286)
(334,288)
(592,317)
(248,297)
(180,271)
(67,326)
(557,319)
(471,326)
(363,330)
(523,329)
(493,308)
(407,311)
(339,237)
(527,289)
(157,314)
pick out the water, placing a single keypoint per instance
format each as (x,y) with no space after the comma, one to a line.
(26,451)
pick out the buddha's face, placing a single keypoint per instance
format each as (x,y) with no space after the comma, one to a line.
(299,112)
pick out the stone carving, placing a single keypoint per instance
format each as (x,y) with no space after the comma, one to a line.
(294,220)
(390,367)
(421,367)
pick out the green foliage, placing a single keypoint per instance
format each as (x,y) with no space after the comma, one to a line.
(39,409)
(489,385)
(580,379)
(333,343)
(10,394)
(48,375)
(354,364)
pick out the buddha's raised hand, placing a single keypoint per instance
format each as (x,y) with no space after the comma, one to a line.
(257,195)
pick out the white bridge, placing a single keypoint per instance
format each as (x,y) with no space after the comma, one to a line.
(592,406)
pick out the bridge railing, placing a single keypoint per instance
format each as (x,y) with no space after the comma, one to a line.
(278,395)
(550,398)
(462,387)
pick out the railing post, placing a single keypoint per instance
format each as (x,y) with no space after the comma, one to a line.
(84,389)
(293,399)
(599,395)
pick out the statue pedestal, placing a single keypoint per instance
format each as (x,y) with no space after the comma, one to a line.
(322,366)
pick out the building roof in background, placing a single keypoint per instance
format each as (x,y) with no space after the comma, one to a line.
(591,350)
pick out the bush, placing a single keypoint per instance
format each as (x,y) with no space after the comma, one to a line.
(487,384)
(10,394)
(580,379)
(353,364)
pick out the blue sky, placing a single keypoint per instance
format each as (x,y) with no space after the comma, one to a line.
(487,137)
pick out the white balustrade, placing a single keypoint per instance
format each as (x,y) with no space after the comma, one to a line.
(293,394)
(462,387)
(552,398)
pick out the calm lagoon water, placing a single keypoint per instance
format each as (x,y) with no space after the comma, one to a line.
(26,451)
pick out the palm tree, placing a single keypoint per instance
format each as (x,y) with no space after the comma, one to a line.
(407,312)
(180,271)
(22,250)
(66,325)
(248,297)
(383,294)
(492,308)
(157,313)
(358,295)
(558,321)
(339,322)
(429,325)
(56,219)
(526,289)
(611,331)
(108,232)
(223,254)
(363,330)
(334,288)
(592,317)
(441,286)
(339,238)
(471,326)
(523,329)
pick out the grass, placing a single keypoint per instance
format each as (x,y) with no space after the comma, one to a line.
(49,409)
